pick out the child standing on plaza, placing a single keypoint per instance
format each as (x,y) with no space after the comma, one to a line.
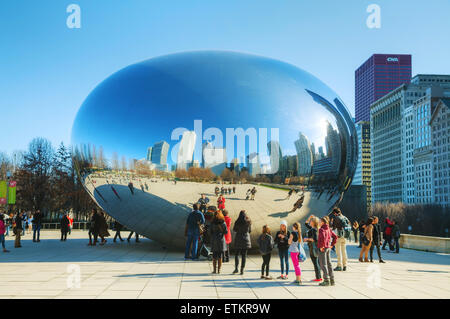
(265,243)
(294,250)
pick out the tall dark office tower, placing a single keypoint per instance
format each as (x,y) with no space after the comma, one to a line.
(378,76)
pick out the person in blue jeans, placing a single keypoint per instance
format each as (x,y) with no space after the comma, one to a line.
(281,240)
(192,231)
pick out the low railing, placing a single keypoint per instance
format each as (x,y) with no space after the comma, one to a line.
(425,243)
(76,225)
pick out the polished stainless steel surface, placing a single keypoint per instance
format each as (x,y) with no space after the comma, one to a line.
(194,116)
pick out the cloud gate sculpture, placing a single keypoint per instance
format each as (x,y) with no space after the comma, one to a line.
(153,137)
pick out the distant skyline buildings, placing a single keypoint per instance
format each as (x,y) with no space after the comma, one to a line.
(377,76)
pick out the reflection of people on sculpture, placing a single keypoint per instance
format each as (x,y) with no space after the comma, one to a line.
(131,187)
(203,202)
(118,228)
(131,234)
(115,192)
(290,193)
(221,202)
(102,228)
(298,204)
(249,191)
(253,192)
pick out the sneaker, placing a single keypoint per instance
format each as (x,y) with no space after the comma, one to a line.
(338,268)
(332,282)
(382,261)
(235,271)
(263,277)
(325,283)
(269,278)
(286,277)
(280,277)
(345,268)
(317,280)
(5,251)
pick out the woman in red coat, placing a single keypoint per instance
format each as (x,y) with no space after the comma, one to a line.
(221,202)
(227,236)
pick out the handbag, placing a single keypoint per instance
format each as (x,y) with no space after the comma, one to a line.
(302,254)
(365,241)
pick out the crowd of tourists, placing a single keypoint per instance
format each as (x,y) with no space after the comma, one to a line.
(321,235)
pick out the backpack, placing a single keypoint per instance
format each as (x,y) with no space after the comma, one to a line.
(346,227)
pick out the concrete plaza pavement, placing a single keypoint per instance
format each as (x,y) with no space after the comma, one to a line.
(52,269)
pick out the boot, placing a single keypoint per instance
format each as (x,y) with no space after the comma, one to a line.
(214,265)
(219,265)
(242,271)
(360,259)
(326,282)
(366,260)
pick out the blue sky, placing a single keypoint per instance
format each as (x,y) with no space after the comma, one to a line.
(47,69)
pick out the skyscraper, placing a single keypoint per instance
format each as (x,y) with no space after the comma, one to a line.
(253,164)
(276,157)
(378,76)
(400,141)
(363,173)
(186,151)
(304,155)
(159,153)
(149,154)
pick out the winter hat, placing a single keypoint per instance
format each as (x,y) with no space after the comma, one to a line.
(283,222)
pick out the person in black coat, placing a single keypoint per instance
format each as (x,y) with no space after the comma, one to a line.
(242,242)
(376,235)
(65,225)
(312,237)
(93,228)
(37,226)
(218,230)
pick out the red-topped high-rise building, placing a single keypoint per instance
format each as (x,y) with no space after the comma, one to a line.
(378,76)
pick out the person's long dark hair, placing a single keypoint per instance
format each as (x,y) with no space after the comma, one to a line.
(243,219)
